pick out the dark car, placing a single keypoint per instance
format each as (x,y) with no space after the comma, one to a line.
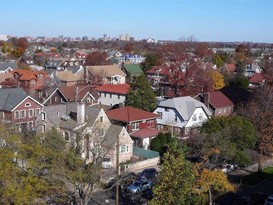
(150,173)
(227,198)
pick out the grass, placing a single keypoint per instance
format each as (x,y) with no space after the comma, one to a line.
(258,177)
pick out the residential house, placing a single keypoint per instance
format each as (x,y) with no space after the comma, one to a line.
(103,74)
(113,94)
(88,129)
(256,80)
(180,115)
(31,80)
(228,68)
(7,67)
(140,124)
(251,69)
(27,59)
(7,81)
(54,65)
(157,75)
(17,107)
(217,103)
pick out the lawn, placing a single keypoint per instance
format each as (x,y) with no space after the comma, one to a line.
(258,177)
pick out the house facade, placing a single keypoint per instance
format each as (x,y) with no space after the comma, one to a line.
(112,94)
(180,115)
(17,107)
(6,67)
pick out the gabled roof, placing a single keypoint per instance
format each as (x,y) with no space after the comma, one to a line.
(133,68)
(11,97)
(231,67)
(105,70)
(129,114)
(217,99)
(5,65)
(110,135)
(70,92)
(114,88)
(162,70)
(185,106)
(257,78)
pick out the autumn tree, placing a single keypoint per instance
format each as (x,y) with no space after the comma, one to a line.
(218,60)
(202,50)
(140,95)
(213,181)
(97,58)
(176,178)
(259,111)
(217,78)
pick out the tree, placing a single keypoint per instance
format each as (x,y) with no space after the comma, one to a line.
(212,181)
(218,79)
(97,58)
(141,95)
(223,138)
(202,50)
(151,60)
(176,178)
(218,61)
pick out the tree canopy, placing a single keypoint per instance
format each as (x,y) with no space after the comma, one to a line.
(141,95)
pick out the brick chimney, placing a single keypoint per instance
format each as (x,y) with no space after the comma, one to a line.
(206,99)
(80,113)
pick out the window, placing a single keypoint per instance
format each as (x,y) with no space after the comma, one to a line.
(110,95)
(123,149)
(118,96)
(43,115)
(88,100)
(30,113)
(17,114)
(175,118)
(101,118)
(56,99)
(43,128)
(27,104)
(37,112)
(23,114)
(135,125)
(166,109)
(160,113)
(101,132)
(201,116)
(104,94)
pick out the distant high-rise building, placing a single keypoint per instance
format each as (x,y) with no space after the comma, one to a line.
(3,37)
(104,37)
(85,38)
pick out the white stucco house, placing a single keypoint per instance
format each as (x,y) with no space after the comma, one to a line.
(179,115)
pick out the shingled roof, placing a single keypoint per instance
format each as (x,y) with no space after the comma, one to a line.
(11,97)
(114,88)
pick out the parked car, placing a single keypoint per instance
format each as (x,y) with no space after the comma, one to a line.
(227,198)
(150,173)
(106,163)
(139,186)
(269,200)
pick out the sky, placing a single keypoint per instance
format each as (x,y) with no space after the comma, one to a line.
(204,20)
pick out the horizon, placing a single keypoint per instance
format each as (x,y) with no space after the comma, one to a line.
(202,20)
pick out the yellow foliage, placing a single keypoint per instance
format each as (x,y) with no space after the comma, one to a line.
(218,80)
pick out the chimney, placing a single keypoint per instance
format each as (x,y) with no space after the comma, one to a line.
(80,113)
(84,74)
(206,99)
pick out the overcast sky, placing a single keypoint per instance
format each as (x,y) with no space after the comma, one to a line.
(206,20)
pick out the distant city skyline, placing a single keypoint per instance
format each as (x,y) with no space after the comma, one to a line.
(205,20)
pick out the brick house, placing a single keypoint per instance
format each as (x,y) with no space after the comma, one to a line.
(17,107)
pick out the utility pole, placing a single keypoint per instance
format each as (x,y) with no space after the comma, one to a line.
(117,168)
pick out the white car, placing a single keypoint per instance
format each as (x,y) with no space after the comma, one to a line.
(106,163)
(269,200)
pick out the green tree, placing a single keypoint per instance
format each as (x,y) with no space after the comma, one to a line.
(222,138)
(218,60)
(141,95)
(150,61)
(176,178)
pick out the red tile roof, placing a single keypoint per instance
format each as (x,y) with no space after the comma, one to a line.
(257,78)
(29,74)
(217,99)
(162,70)
(114,88)
(145,133)
(129,114)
